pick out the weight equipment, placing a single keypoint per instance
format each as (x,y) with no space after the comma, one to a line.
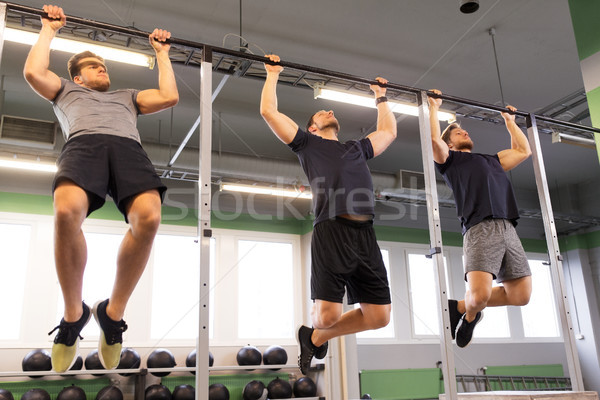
(160,358)
(279,389)
(157,392)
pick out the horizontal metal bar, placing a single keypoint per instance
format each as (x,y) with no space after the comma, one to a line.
(566,123)
(101,25)
(295,66)
(578,139)
(149,370)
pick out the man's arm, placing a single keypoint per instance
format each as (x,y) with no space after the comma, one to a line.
(386,122)
(519,145)
(281,125)
(45,82)
(440,148)
(153,100)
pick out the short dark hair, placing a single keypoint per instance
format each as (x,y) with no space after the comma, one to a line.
(73,63)
(446,134)
(310,122)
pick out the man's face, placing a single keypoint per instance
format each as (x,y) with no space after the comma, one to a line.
(460,140)
(325,119)
(92,74)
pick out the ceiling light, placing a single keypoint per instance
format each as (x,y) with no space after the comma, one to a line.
(572,139)
(28,165)
(273,191)
(368,101)
(73,46)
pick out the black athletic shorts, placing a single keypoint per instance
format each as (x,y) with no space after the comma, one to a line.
(345,254)
(107,164)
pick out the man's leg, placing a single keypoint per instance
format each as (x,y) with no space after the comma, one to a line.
(144,219)
(327,326)
(329,322)
(70,251)
(514,292)
(143,213)
(476,299)
(478,295)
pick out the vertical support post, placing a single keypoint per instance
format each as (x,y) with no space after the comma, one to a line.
(2,26)
(435,238)
(204,229)
(556,268)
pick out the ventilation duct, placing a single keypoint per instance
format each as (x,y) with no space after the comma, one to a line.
(27,131)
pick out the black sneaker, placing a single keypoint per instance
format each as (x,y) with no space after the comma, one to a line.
(111,336)
(66,342)
(307,348)
(321,351)
(455,316)
(464,332)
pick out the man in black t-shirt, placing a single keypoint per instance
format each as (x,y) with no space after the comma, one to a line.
(488,213)
(344,251)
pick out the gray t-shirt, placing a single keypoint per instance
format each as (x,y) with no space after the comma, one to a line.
(83,111)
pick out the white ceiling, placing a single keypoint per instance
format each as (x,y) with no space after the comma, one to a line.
(420,43)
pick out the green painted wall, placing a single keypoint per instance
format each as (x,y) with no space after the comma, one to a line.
(42,205)
(585,15)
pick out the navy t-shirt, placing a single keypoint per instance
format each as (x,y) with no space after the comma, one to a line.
(339,177)
(480,186)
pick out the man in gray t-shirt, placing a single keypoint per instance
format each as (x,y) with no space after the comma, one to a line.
(102,156)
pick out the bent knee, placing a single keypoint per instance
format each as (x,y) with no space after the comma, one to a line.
(146,221)
(522,299)
(325,320)
(380,318)
(381,322)
(67,216)
(479,299)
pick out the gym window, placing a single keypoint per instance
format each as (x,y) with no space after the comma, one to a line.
(265,289)
(175,287)
(424,294)
(14,246)
(539,316)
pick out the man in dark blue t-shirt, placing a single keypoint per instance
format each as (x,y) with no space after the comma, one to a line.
(488,213)
(344,251)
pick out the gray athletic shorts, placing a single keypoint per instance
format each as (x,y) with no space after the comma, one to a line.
(493,246)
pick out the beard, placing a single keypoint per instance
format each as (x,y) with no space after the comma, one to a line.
(331,124)
(100,85)
(464,145)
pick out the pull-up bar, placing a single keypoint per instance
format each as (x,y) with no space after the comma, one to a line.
(209,50)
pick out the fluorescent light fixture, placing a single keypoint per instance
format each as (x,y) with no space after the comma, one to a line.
(273,191)
(368,101)
(558,137)
(73,46)
(28,165)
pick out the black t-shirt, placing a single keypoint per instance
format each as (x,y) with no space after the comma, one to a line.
(480,186)
(339,177)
